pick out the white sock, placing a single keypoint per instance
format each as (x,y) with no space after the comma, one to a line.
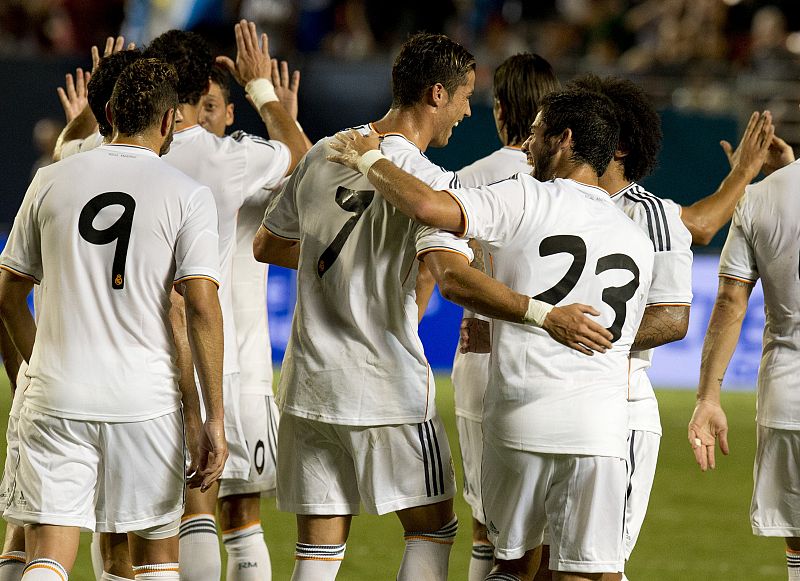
(427,555)
(45,570)
(793,564)
(12,564)
(157,572)
(317,562)
(97,556)
(481,562)
(248,556)
(109,577)
(199,549)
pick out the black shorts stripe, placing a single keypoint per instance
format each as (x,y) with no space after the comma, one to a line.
(438,457)
(424,460)
(632,460)
(271,432)
(433,459)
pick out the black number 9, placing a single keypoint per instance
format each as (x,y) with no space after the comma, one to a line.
(119,230)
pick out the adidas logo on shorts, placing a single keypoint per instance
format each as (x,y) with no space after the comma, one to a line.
(493,529)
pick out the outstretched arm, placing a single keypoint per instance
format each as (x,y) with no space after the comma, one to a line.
(661,324)
(708,420)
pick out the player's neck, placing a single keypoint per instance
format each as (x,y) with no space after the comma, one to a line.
(147,140)
(582,173)
(614,180)
(409,122)
(189,114)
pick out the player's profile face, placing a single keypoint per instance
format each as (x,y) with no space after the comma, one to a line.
(215,114)
(539,150)
(455,110)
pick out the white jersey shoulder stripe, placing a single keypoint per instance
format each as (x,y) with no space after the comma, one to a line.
(657,225)
(239,135)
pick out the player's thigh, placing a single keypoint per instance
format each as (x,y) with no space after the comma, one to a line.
(776,486)
(643,457)
(585,512)
(470,440)
(155,545)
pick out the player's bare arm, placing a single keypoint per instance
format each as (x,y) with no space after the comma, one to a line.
(661,324)
(11,357)
(708,420)
(14,290)
(472,289)
(204,323)
(253,70)
(275,250)
(705,217)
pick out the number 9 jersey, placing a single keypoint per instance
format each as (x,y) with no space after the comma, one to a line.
(106,234)
(561,242)
(354,356)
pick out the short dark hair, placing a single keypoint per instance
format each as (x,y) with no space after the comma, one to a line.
(101,85)
(191,56)
(520,82)
(591,118)
(222,78)
(144,92)
(424,60)
(639,124)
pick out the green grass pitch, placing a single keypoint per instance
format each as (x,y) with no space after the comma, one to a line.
(697,525)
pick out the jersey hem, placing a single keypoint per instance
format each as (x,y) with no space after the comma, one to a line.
(277,235)
(67,415)
(390,421)
(737,277)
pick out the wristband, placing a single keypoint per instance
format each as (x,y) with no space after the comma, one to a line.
(366,161)
(261,92)
(537,311)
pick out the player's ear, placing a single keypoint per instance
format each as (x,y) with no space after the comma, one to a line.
(167,121)
(229,115)
(437,95)
(565,139)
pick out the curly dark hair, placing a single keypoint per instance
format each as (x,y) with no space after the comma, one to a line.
(144,92)
(591,118)
(101,85)
(639,124)
(424,60)
(520,82)
(191,56)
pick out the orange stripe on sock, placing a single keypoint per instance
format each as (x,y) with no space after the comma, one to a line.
(43,566)
(792,551)
(13,558)
(429,539)
(298,558)
(198,514)
(241,528)
(155,569)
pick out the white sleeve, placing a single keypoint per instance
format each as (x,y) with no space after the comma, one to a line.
(79,145)
(429,240)
(23,252)
(282,218)
(492,213)
(266,162)
(197,244)
(738,260)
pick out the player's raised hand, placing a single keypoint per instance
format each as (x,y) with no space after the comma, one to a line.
(286,86)
(73,95)
(708,424)
(350,145)
(476,336)
(252,57)
(780,155)
(113,45)
(751,154)
(570,326)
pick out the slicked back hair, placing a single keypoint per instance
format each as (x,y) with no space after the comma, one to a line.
(101,85)
(424,60)
(639,124)
(591,118)
(144,92)
(520,82)
(191,56)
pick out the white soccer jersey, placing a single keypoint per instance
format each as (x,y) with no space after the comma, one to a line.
(239,169)
(471,370)
(672,285)
(764,242)
(561,242)
(354,356)
(106,234)
(74,146)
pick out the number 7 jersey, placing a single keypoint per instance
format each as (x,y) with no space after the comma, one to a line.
(354,356)
(561,242)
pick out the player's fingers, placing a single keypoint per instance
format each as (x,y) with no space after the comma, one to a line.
(604,335)
(591,344)
(710,453)
(599,341)
(226,62)
(294,85)
(70,86)
(723,441)
(109,46)
(285,78)
(588,309)
(727,148)
(276,77)
(62,96)
(95,57)
(119,43)
(248,41)
(751,125)
(766,137)
(578,347)
(239,35)
(80,82)
(264,43)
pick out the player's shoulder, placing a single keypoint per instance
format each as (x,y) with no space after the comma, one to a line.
(242,138)
(659,218)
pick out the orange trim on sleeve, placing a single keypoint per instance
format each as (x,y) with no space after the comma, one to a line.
(440,249)
(740,279)
(19,273)
(196,277)
(669,304)
(463,214)
(276,235)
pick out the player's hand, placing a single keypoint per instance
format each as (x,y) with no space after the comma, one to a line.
(252,57)
(74,94)
(212,456)
(193,429)
(350,145)
(780,155)
(476,336)
(752,152)
(286,87)
(571,327)
(113,45)
(708,424)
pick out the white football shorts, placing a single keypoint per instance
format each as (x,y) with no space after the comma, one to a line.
(776,484)
(580,498)
(99,476)
(259,416)
(331,469)
(12,460)
(470,440)
(642,460)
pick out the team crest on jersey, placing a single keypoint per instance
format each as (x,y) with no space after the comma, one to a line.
(118,280)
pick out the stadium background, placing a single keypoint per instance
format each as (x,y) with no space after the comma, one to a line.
(704,86)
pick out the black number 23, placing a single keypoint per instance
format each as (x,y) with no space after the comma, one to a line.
(119,230)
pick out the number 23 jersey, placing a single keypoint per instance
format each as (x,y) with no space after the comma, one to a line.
(354,356)
(561,242)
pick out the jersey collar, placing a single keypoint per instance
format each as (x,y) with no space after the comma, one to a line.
(630,187)
(138,149)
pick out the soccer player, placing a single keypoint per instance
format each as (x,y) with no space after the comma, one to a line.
(763,243)
(240,170)
(102,416)
(359,423)
(554,422)
(520,82)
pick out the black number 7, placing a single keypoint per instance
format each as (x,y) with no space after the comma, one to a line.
(350,201)
(119,230)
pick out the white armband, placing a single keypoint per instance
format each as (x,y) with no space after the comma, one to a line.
(366,161)
(261,91)
(537,311)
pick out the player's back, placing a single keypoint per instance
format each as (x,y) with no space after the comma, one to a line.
(109,223)
(354,356)
(498,165)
